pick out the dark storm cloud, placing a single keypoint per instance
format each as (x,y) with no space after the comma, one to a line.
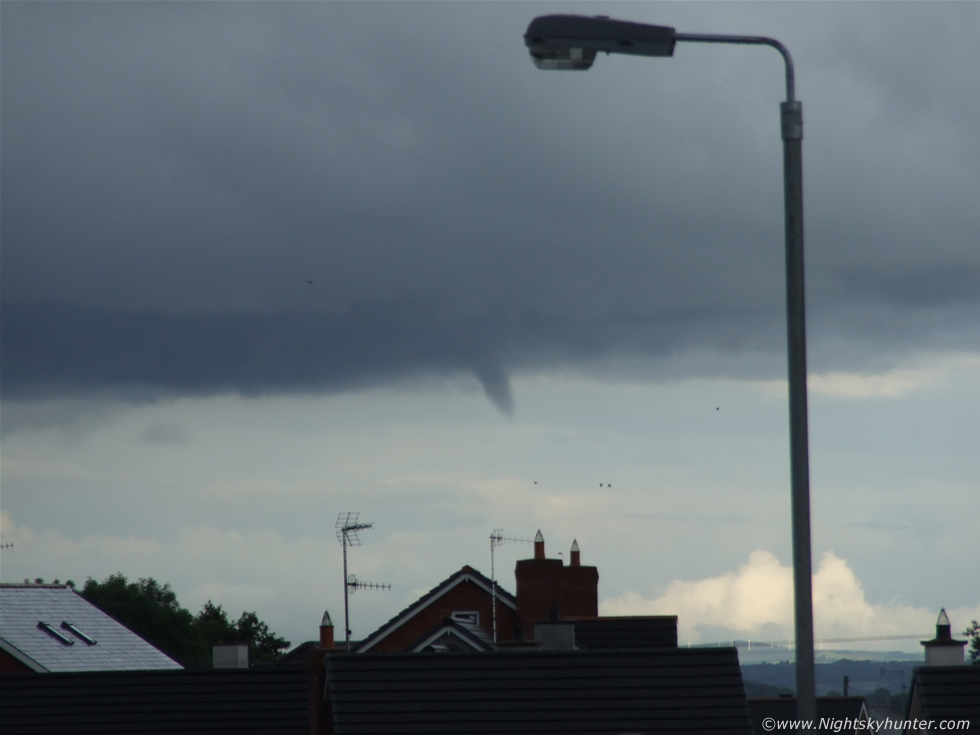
(66,351)
(264,196)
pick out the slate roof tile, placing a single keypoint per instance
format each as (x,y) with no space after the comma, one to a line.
(658,631)
(262,701)
(116,647)
(948,693)
(567,692)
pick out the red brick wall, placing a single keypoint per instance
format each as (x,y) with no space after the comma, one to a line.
(581,593)
(539,588)
(10,665)
(547,584)
(466,595)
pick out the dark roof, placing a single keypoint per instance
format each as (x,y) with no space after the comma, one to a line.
(658,631)
(947,693)
(454,635)
(466,574)
(838,709)
(50,627)
(267,700)
(299,656)
(569,692)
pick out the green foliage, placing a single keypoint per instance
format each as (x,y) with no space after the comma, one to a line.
(263,643)
(152,611)
(213,625)
(973,633)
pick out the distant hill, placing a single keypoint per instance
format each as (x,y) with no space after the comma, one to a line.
(865,678)
(757,654)
(758,690)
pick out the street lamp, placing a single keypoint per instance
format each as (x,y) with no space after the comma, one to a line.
(572,42)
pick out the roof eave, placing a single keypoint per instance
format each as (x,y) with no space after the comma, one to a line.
(22,657)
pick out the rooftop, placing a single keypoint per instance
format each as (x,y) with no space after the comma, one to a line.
(567,692)
(49,628)
(266,700)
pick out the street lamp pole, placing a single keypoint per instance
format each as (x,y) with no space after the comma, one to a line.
(572,42)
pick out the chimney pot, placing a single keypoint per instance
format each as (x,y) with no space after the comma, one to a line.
(944,631)
(576,556)
(539,545)
(944,650)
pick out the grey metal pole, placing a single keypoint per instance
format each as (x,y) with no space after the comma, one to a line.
(346,587)
(493,589)
(792,124)
(792,133)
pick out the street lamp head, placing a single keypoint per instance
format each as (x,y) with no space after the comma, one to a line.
(572,41)
(562,59)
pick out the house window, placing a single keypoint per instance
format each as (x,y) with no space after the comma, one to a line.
(466,616)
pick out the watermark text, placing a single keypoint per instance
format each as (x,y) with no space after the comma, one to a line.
(847,724)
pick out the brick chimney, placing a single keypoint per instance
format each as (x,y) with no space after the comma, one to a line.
(581,593)
(944,650)
(326,631)
(315,666)
(548,590)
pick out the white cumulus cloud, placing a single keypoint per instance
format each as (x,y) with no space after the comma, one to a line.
(755,601)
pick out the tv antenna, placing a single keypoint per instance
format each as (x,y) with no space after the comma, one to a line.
(497,538)
(354,584)
(347,527)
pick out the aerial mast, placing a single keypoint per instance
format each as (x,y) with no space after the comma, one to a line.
(347,528)
(497,538)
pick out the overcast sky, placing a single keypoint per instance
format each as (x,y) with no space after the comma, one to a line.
(267,262)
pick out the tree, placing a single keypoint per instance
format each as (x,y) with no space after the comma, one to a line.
(213,626)
(263,643)
(973,633)
(151,610)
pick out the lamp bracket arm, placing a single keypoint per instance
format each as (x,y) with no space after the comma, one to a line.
(748,40)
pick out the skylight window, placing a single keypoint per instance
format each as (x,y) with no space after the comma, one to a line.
(74,629)
(54,633)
